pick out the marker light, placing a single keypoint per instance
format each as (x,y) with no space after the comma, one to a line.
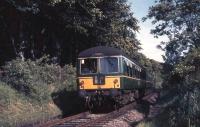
(81,84)
(115,81)
(82,61)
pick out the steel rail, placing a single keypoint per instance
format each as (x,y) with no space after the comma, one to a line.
(61,121)
(104,119)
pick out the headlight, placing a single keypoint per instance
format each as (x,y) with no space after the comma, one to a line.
(115,81)
(81,83)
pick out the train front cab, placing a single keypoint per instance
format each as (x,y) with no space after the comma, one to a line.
(108,75)
(98,74)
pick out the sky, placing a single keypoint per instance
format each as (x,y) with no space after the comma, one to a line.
(149,43)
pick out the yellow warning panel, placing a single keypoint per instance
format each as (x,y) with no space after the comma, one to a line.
(110,83)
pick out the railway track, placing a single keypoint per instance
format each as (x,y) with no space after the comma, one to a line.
(86,119)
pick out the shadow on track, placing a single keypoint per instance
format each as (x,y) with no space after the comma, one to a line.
(69,102)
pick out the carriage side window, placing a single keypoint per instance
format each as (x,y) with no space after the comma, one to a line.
(109,65)
(131,72)
(134,71)
(88,66)
(125,67)
(137,73)
(127,70)
(143,75)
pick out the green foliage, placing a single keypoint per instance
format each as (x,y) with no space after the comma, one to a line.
(154,70)
(63,28)
(5,94)
(38,79)
(17,109)
(185,110)
(119,26)
(179,20)
(27,89)
(189,67)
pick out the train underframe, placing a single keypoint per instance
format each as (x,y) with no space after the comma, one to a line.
(113,99)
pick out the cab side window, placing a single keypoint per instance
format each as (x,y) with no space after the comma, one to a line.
(125,67)
(131,71)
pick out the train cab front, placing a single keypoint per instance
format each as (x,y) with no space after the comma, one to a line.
(95,79)
(98,84)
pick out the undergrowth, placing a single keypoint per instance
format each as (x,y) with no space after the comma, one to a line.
(27,89)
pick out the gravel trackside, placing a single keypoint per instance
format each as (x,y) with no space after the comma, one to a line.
(125,120)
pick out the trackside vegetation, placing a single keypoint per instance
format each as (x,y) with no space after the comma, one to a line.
(179,21)
(27,89)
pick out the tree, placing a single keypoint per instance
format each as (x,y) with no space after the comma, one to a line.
(117,26)
(63,28)
(187,107)
(180,21)
(45,27)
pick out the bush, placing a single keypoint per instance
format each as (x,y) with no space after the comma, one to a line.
(16,109)
(185,78)
(38,79)
(27,88)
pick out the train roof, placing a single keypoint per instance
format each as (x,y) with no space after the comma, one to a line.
(101,51)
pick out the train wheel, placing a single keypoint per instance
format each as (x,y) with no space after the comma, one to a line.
(116,105)
(136,94)
(131,98)
(100,101)
(141,93)
(117,102)
(88,103)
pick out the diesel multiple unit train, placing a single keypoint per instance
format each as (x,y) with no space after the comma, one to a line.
(106,73)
